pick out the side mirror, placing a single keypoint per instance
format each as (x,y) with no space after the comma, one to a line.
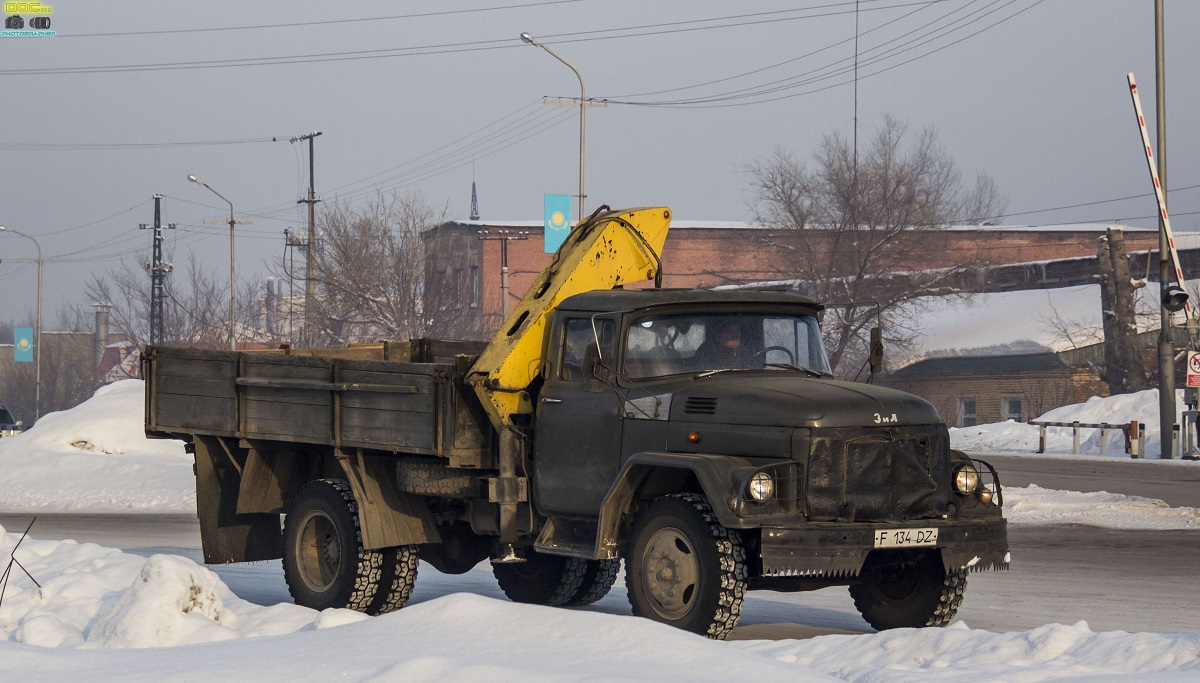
(596,375)
(20,423)
(875,355)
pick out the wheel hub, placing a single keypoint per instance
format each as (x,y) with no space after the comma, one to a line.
(319,551)
(671,573)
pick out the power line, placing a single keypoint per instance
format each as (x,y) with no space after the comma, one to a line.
(923,6)
(799,80)
(463,156)
(637,31)
(288,205)
(85,146)
(328,22)
(1144,195)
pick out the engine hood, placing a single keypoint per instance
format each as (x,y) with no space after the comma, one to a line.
(792,400)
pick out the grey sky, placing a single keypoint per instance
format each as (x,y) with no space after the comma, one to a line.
(1039,101)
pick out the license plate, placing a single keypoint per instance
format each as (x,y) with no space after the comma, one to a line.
(905,538)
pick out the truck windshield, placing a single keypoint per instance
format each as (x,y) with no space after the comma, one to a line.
(659,345)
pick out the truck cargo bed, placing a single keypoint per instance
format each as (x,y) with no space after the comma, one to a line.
(344,398)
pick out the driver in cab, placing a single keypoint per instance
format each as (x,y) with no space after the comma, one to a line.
(724,349)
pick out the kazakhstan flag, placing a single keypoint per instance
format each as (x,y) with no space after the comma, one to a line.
(557,220)
(23,344)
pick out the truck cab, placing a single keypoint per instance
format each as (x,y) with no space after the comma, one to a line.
(661,405)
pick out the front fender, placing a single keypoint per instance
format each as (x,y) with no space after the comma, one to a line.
(722,479)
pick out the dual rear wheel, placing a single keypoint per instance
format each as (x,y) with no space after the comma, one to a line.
(324,562)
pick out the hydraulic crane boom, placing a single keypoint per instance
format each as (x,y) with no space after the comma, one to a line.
(608,249)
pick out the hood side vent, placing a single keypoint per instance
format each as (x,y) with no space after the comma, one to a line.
(703,405)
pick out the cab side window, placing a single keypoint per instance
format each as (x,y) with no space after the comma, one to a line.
(578,336)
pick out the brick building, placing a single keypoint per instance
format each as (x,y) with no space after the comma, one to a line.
(981,390)
(463,271)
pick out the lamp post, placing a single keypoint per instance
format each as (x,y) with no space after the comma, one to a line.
(37,338)
(534,41)
(232,282)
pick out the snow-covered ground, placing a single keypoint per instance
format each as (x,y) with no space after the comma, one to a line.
(101,614)
(95,457)
(95,600)
(1036,505)
(1018,437)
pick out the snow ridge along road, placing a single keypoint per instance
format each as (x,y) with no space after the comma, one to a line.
(99,598)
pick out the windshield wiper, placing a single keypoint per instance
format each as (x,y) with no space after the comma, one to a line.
(788,366)
(709,373)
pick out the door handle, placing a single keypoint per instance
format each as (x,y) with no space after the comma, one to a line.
(551,400)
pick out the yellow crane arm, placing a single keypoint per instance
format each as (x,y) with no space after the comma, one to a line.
(608,249)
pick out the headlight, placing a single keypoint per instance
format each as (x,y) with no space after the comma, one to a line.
(966,479)
(762,486)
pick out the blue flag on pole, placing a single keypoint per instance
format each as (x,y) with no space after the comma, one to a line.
(557,220)
(23,344)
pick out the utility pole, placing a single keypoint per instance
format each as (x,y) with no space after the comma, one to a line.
(309,286)
(1122,360)
(503,236)
(1166,351)
(37,338)
(291,242)
(158,273)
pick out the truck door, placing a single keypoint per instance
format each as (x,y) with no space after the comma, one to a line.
(577,442)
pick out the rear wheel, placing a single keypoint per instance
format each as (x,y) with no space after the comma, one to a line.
(541,579)
(397,580)
(324,562)
(598,578)
(908,589)
(684,568)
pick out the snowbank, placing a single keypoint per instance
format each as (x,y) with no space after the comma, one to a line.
(97,597)
(957,653)
(95,458)
(140,610)
(1019,437)
(1037,505)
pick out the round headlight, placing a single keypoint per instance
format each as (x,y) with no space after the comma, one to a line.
(966,479)
(762,486)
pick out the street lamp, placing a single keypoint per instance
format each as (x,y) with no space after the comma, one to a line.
(232,282)
(37,338)
(534,41)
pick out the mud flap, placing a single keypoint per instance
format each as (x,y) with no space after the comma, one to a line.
(387,517)
(225,535)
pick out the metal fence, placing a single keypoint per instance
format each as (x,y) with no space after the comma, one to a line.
(1135,435)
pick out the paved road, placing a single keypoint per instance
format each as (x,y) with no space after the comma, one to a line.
(1174,481)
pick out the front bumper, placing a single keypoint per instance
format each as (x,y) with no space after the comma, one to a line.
(837,549)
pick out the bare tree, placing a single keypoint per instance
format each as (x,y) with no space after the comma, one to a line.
(195,311)
(370,271)
(856,228)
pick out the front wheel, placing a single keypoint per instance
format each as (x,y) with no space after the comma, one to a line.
(684,568)
(908,589)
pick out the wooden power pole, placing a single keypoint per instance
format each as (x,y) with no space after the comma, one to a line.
(1124,371)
